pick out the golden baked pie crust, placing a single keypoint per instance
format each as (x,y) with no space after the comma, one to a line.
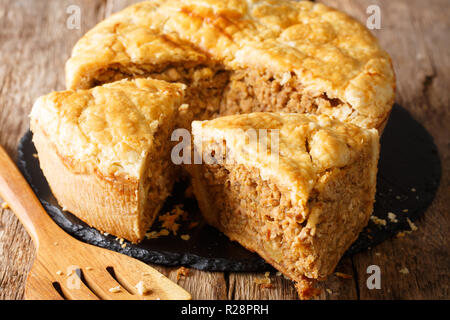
(330,52)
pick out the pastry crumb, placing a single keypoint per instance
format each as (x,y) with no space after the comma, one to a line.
(115,289)
(278,274)
(124,245)
(169,219)
(378,221)
(392,217)
(59,273)
(401,234)
(89,268)
(156,234)
(405,210)
(55,243)
(404,270)
(142,289)
(343,275)
(185,237)
(5,205)
(182,272)
(164,232)
(329,291)
(411,225)
(264,283)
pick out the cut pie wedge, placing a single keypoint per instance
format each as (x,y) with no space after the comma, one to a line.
(105,151)
(297,189)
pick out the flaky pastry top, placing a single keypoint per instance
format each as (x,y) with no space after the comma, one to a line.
(107,130)
(292,149)
(329,51)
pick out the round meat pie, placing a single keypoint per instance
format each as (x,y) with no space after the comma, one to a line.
(104,147)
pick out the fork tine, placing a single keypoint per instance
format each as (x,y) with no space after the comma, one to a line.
(160,287)
(39,286)
(101,282)
(80,293)
(73,288)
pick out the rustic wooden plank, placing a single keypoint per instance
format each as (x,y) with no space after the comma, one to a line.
(242,286)
(201,284)
(34,44)
(415,33)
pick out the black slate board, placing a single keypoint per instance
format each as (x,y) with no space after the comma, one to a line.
(408,177)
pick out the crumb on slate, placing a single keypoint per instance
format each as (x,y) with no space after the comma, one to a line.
(157,234)
(378,221)
(392,217)
(411,225)
(185,237)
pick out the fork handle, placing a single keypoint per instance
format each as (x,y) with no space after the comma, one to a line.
(17,193)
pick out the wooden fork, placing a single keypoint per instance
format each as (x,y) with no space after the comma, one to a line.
(66,268)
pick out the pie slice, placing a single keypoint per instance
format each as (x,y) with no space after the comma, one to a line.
(106,153)
(297,189)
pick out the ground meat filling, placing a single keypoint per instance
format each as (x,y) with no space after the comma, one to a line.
(214,91)
(256,209)
(205,84)
(160,177)
(252,90)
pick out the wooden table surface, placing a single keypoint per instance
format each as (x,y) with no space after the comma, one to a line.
(35,43)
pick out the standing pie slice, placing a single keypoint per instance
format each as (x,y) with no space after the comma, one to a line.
(296,189)
(105,151)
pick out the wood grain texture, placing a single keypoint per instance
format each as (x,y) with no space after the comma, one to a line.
(35,42)
(56,251)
